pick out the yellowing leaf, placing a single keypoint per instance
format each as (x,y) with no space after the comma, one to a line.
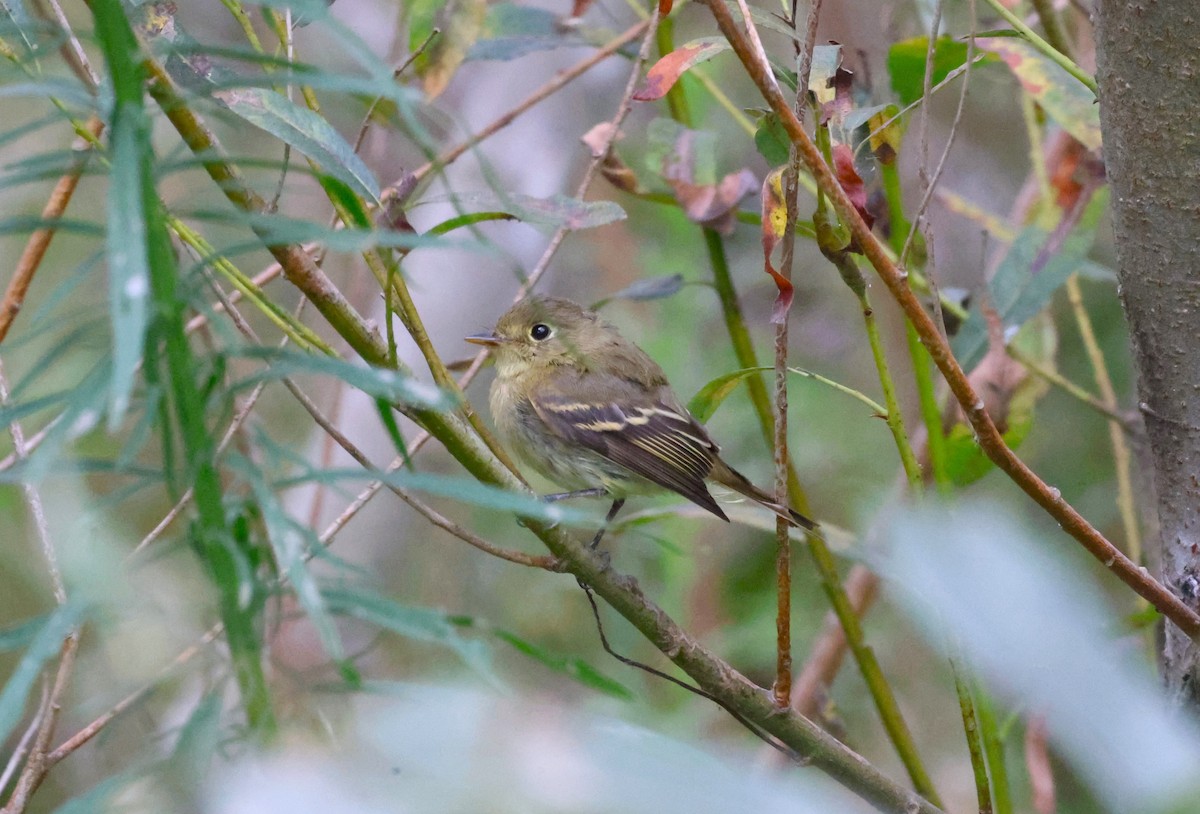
(1071,105)
(774,225)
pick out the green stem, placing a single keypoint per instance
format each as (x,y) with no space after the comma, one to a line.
(1048,50)
(1052,26)
(895,421)
(931,414)
(296,330)
(966,705)
(1122,459)
(833,240)
(993,749)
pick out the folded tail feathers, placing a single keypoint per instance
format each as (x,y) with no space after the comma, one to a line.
(726,475)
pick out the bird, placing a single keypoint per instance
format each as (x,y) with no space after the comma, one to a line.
(592,412)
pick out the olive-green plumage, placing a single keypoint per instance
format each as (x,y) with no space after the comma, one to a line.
(588,408)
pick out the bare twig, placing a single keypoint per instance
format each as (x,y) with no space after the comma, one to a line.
(544,92)
(72,51)
(39,241)
(18,754)
(929,183)
(396,74)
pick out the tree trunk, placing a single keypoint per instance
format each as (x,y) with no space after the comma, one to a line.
(1149,74)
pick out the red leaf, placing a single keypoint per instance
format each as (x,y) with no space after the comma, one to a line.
(666,72)
(774,224)
(664,7)
(852,183)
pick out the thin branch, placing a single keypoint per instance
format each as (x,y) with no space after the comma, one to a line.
(549,89)
(1122,460)
(72,51)
(396,74)
(22,747)
(988,435)
(1048,50)
(39,241)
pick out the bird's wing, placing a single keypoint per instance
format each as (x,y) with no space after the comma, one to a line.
(643,432)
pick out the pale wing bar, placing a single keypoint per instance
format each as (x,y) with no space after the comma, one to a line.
(662,445)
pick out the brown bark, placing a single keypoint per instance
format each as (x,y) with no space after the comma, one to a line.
(1149,78)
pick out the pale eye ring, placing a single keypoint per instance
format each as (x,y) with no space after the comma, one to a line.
(540,332)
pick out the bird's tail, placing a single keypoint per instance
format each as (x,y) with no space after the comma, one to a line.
(726,475)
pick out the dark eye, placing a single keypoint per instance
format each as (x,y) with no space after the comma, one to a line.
(539,332)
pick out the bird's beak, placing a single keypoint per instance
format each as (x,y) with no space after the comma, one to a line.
(487,340)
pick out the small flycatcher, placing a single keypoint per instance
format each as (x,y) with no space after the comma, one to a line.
(592,412)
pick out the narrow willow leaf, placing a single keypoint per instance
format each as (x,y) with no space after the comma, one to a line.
(1068,102)
(570,666)
(291,543)
(469,219)
(43,646)
(1025,280)
(651,288)
(711,395)
(463,489)
(128,258)
(421,624)
(556,212)
(379,382)
(512,31)
(24,224)
(18,636)
(72,94)
(304,130)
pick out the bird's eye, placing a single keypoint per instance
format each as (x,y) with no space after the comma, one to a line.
(540,332)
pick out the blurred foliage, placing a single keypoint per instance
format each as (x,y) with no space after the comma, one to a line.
(373,657)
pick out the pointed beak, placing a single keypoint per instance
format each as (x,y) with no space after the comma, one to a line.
(487,340)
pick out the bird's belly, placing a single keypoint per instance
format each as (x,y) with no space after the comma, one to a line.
(569,465)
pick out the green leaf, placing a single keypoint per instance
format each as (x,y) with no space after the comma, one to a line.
(127,243)
(555,212)
(1025,280)
(421,624)
(1068,102)
(462,489)
(512,31)
(18,636)
(99,798)
(469,219)
(291,543)
(43,646)
(69,93)
(198,741)
(461,22)
(419,15)
(304,130)
(378,382)
(711,395)
(570,666)
(772,141)
(650,288)
(966,462)
(906,64)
